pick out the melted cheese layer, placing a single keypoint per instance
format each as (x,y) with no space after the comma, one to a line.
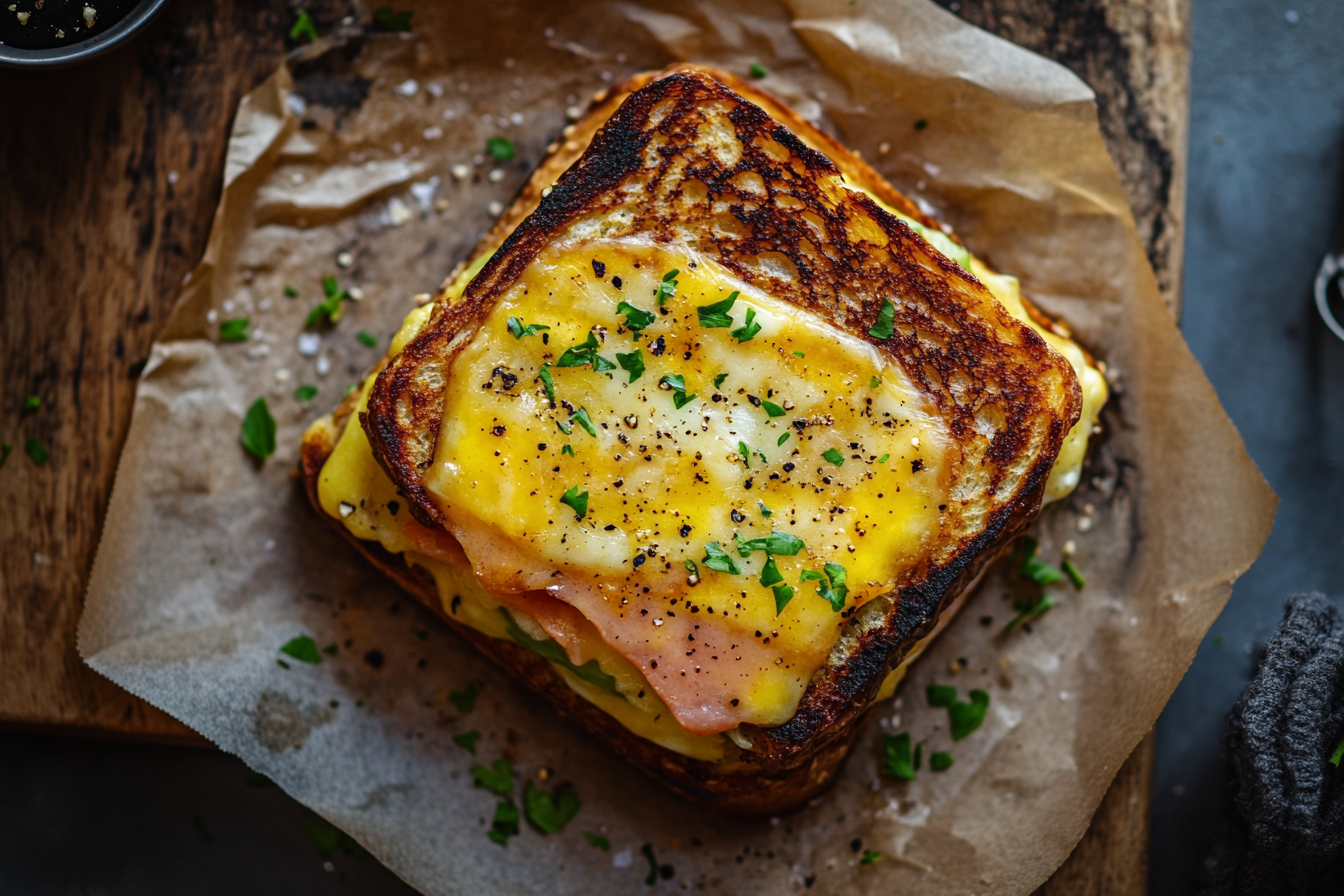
(851,474)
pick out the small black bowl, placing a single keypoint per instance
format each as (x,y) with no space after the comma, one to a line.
(140,15)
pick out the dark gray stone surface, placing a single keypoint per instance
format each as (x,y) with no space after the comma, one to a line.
(1266,178)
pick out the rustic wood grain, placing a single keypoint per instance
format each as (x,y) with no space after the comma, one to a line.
(95,236)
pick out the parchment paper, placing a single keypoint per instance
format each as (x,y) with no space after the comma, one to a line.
(210,562)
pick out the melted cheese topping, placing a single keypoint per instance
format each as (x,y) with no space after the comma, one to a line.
(807,424)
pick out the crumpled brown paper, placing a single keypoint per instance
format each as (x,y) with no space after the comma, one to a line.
(210,562)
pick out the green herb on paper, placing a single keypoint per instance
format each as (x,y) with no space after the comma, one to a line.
(550,811)
(234,329)
(717,314)
(258,431)
(390,20)
(496,778)
(886,321)
(501,149)
(940,761)
(331,307)
(757,70)
(367,339)
(898,762)
(647,852)
(870,857)
(464,700)
(834,457)
(305,393)
(716,559)
(1075,576)
(1338,754)
(597,841)
(304,649)
(576,500)
(303,30)
(519,329)
(37,452)
(290,292)
(963,718)
(505,824)
(327,838)
(748,330)
(1028,609)
(467,740)
(632,363)
(1031,567)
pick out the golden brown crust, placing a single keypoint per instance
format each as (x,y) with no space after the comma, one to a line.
(845,257)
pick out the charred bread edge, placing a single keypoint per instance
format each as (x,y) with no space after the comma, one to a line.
(741,783)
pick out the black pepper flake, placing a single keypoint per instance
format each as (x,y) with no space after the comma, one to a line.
(653,664)
(686,356)
(616,282)
(685,530)
(788,468)
(737,515)
(658,347)
(599,269)
(497,430)
(986,620)
(856,844)
(639,560)
(942,506)
(394,507)
(916,465)
(755,402)
(374,658)
(734,701)
(541,446)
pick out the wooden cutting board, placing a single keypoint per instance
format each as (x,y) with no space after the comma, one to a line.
(111,173)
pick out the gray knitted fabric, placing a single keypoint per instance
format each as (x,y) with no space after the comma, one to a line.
(1288,798)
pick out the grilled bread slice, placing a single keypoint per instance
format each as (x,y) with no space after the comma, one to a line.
(679,161)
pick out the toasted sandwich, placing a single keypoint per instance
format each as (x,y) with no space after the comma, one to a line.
(706,439)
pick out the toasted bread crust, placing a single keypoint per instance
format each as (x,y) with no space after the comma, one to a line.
(953,339)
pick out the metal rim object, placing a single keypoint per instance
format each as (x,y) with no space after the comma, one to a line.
(1329,270)
(73,54)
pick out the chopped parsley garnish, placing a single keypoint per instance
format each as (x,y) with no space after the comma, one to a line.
(564,427)
(800,354)
(716,559)
(305,393)
(940,761)
(681,399)
(234,329)
(870,857)
(718,380)
(832,587)
(390,20)
(501,149)
(550,812)
(464,700)
(716,315)
(782,439)
(583,354)
(770,574)
(773,409)
(963,718)
(668,288)
(304,649)
(636,319)
(757,70)
(581,417)
(783,594)
(497,778)
(519,329)
(886,321)
(36,451)
(674,381)
(258,432)
(745,452)
(505,824)
(1075,576)
(330,308)
(467,740)
(1338,754)
(326,838)
(765,511)
(303,29)
(597,841)
(290,292)
(884,458)
(1032,567)
(748,330)
(776,544)
(577,500)
(568,449)
(691,567)
(874,383)
(632,363)
(1028,609)
(547,382)
(896,754)
(367,339)
(647,852)
(834,457)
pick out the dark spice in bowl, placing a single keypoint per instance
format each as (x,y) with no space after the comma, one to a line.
(43,24)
